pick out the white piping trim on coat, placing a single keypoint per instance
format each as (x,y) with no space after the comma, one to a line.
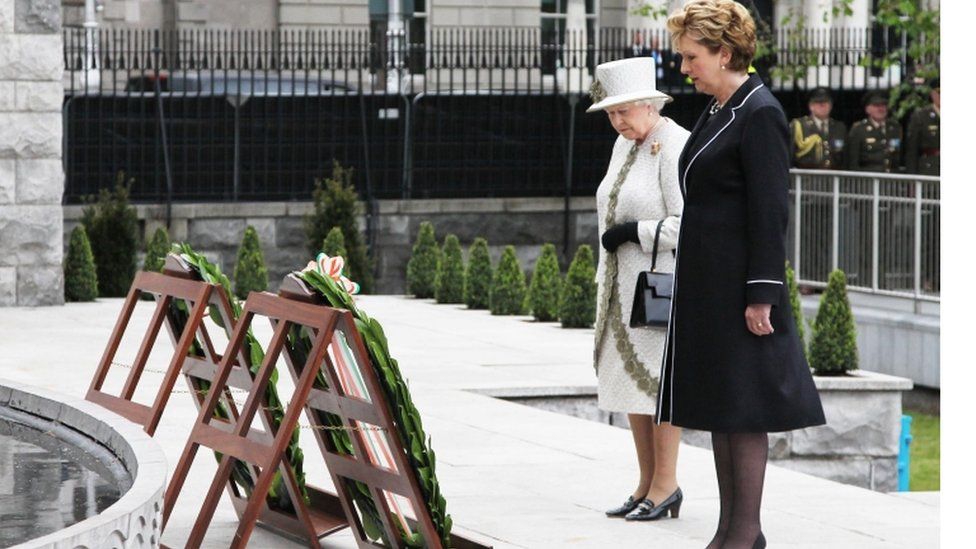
(673,325)
(684,177)
(764,282)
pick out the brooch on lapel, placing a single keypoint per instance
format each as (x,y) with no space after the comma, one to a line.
(655,147)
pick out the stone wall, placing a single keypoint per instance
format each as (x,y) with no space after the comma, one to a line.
(31,176)
(165,14)
(858,445)
(526,223)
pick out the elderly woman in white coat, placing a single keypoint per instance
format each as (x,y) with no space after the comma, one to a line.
(639,192)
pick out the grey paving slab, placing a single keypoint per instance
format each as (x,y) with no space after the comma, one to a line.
(513,475)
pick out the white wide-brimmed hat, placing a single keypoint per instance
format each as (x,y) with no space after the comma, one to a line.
(623,81)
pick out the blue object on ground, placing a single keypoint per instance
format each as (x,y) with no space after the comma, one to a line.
(904,457)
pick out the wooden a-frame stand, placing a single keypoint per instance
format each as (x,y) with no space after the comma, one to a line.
(295,307)
(309,522)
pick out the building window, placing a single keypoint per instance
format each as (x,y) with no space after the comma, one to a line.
(565,21)
(417,38)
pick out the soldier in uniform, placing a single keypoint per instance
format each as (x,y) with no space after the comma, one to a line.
(818,139)
(874,144)
(922,141)
(922,157)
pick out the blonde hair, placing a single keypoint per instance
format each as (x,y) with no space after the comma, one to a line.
(717,23)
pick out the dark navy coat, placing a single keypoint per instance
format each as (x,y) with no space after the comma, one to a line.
(716,374)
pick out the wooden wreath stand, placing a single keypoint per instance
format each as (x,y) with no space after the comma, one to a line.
(324,513)
(297,305)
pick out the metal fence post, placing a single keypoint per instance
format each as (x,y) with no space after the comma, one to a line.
(918,239)
(875,232)
(797,264)
(573,101)
(162,130)
(835,229)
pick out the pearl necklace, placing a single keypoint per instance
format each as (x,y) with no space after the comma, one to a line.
(715,108)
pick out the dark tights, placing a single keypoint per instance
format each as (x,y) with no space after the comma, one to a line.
(740,464)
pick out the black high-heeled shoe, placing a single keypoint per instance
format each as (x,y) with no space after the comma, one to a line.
(627,507)
(647,510)
(760,542)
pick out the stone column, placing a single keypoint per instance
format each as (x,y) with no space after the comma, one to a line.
(31,175)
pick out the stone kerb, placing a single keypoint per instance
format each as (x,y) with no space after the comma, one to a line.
(31,177)
(860,442)
(135,519)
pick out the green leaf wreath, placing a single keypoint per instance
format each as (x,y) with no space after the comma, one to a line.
(278,497)
(406,417)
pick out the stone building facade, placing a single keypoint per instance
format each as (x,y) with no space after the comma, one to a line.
(31,174)
(294,14)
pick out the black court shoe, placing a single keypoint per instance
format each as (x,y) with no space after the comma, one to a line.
(760,542)
(627,507)
(646,510)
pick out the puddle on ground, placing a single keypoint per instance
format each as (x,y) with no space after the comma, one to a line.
(46,485)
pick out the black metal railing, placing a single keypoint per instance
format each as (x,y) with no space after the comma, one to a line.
(221,115)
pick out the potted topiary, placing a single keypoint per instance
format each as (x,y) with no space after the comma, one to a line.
(250,274)
(156,249)
(577,304)
(797,309)
(450,275)
(860,443)
(508,285)
(833,350)
(478,275)
(424,262)
(335,204)
(543,299)
(334,244)
(111,225)
(80,280)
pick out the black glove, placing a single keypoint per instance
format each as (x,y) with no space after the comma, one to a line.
(618,234)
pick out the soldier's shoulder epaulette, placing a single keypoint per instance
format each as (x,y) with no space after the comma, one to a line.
(859,125)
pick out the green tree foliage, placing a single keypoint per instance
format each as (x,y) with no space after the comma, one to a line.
(508,285)
(797,309)
(477,276)
(250,274)
(577,305)
(80,280)
(111,225)
(450,276)
(833,350)
(335,205)
(156,249)
(546,286)
(424,263)
(334,244)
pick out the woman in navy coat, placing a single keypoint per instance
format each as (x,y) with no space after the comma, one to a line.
(733,364)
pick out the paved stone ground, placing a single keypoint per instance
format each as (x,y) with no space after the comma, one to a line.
(512,475)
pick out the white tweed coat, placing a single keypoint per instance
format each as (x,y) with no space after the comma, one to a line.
(628,374)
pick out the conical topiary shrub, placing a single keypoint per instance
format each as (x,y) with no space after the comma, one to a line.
(424,262)
(250,273)
(508,285)
(156,250)
(334,244)
(80,280)
(577,305)
(111,224)
(477,277)
(833,350)
(797,309)
(335,205)
(450,276)
(546,286)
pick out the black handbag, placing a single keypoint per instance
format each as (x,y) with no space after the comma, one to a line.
(652,297)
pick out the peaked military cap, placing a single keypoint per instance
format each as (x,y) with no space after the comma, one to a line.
(820,95)
(875,97)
